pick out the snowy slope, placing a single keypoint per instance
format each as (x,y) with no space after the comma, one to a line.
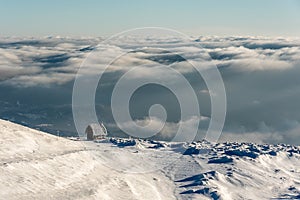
(36,165)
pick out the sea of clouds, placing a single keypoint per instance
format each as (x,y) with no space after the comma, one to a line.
(261,78)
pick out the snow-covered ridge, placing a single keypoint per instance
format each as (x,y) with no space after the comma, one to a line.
(233,170)
(35,165)
(228,149)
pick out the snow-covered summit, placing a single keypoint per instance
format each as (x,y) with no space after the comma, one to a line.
(36,165)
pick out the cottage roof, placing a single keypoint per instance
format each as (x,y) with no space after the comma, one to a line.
(98,129)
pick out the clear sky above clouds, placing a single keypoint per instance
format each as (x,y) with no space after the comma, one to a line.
(105,17)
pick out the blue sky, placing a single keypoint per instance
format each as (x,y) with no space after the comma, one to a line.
(194,17)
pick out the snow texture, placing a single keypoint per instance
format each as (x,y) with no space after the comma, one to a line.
(36,165)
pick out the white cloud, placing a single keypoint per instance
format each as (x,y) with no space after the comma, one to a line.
(168,131)
(29,57)
(261,75)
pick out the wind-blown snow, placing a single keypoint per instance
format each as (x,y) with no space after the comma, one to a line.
(35,165)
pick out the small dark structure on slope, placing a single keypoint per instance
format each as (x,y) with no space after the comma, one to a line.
(95,131)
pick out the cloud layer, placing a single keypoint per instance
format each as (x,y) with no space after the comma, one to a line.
(261,77)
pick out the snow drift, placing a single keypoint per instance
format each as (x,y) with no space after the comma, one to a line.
(36,165)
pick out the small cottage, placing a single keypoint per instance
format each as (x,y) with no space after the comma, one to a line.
(95,131)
